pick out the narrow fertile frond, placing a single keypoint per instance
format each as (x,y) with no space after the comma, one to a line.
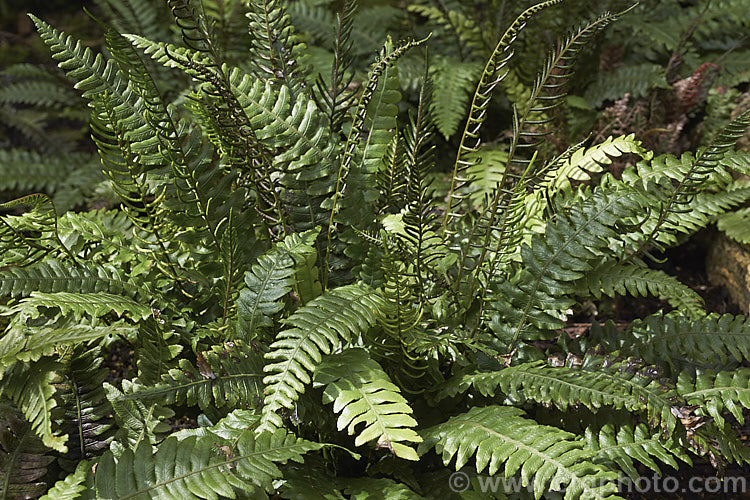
(362,393)
(493,74)
(320,327)
(502,439)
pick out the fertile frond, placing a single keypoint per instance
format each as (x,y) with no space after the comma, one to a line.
(363,394)
(228,375)
(493,74)
(195,468)
(678,200)
(503,439)
(27,238)
(270,279)
(318,328)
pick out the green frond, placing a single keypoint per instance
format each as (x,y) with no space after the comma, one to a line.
(31,388)
(634,79)
(23,458)
(625,444)
(196,468)
(318,328)
(78,305)
(137,422)
(362,393)
(72,486)
(157,346)
(454,81)
(370,488)
(226,376)
(135,16)
(503,440)
(25,343)
(536,299)
(611,279)
(675,338)
(718,392)
(585,161)
(735,224)
(37,93)
(486,173)
(270,279)
(597,384)
(52,276)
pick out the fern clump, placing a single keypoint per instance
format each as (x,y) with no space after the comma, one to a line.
(313,301)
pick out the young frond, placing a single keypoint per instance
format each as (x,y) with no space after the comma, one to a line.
(362,393)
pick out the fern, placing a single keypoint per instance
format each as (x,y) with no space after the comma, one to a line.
(319,328)
(504,440)
(362,393)
(717,392)
(23,458)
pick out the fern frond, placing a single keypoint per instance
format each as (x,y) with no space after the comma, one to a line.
(30,387)
(23,458)
(735,224)
(675,338)
(612,279)
(677,201)
(362,393)
(156,348)
(717,392)
(137,422)
(624,444)
(270,279)
(27,238)
(79,305)
(228,375)
(24,343)
(537,298)
(634,79)
(454,81)
(596,384)
(501,437)
(493,74)
(314,330)
(72,486)
(87,411)
(194,468)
